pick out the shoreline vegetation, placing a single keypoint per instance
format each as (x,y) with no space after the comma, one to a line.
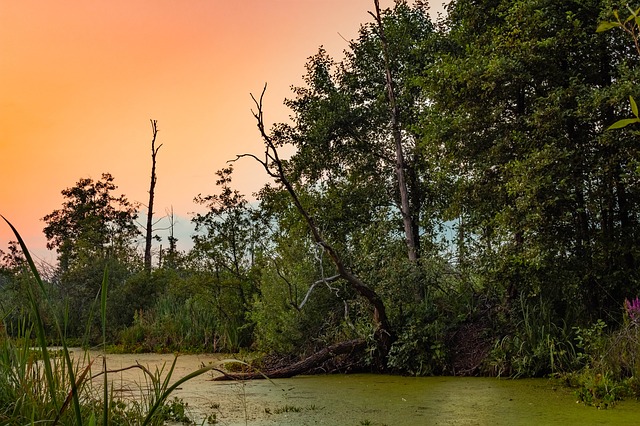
(459,197)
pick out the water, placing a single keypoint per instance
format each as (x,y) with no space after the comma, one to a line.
(361,399)
(391,400)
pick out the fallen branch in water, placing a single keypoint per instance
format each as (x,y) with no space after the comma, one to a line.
(299,367)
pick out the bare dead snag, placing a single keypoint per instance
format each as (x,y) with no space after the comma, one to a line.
(274,167)
(300,367)
(152,189)
(400,166)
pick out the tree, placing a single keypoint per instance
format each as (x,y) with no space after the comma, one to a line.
(356,148)
(92,231)
(226,245)
(12,260)
(524,92)
(230,240)
(400,164)
(275,168)
(93,223)
(170,258)
(152,187)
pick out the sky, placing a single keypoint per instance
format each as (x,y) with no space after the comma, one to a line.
(80,81)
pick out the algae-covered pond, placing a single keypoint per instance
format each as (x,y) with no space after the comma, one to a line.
(362,399)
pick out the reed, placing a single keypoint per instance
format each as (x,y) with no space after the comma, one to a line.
(38,385)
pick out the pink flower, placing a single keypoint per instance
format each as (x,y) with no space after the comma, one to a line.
(633,309)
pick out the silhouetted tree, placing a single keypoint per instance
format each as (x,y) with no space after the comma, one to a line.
(152,188)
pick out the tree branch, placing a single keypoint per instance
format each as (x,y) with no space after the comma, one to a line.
(323,280)
(274,167)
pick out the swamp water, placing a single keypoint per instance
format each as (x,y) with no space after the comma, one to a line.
(366,399)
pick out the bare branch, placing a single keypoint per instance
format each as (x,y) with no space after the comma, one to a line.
(322,281)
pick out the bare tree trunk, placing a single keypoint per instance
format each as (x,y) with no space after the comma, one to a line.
(405,207)
(152,188)
(299,367)
(274,168)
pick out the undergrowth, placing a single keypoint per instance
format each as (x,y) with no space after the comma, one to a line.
(38,385)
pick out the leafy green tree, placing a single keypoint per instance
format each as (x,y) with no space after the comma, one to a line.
(301,302)
(226,247)
(11,260)
(354,141)
(231,234)
(12,297)
(92,224)
(345,135)
(524,91)
(93,230)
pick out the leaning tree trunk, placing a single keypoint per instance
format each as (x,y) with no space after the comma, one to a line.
(301,367)
(275,169)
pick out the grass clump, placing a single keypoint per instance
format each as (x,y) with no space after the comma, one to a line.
(38,385)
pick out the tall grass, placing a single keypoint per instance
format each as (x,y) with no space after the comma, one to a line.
(37,385)
(173,324)
(536,346)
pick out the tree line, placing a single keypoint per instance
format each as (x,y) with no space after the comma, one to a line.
(454,200)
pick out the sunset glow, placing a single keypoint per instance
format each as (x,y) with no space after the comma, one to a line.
(82,79)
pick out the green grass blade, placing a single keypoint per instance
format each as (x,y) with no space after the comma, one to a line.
(634,106)
(606,25)
(42,340)
(170,389)
(103,312)
(167,378)
(623,123)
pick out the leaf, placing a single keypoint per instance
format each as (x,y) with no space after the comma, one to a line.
(630,16)
(166,391)
(623,123)
(634,106)
(606,26)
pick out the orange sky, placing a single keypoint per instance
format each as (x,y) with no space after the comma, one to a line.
(79,81)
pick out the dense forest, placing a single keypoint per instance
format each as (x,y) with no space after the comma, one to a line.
(451,201)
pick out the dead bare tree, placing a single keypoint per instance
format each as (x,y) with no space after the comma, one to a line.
(152,189)
(400,166)
(274,167)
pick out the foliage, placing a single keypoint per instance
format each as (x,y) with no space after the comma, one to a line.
(534,345)
(175,324)
(611,362)
(288,310)
(227,247)
(420,349)
(92,224)
(37,384)
(599,390)
(92,231)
